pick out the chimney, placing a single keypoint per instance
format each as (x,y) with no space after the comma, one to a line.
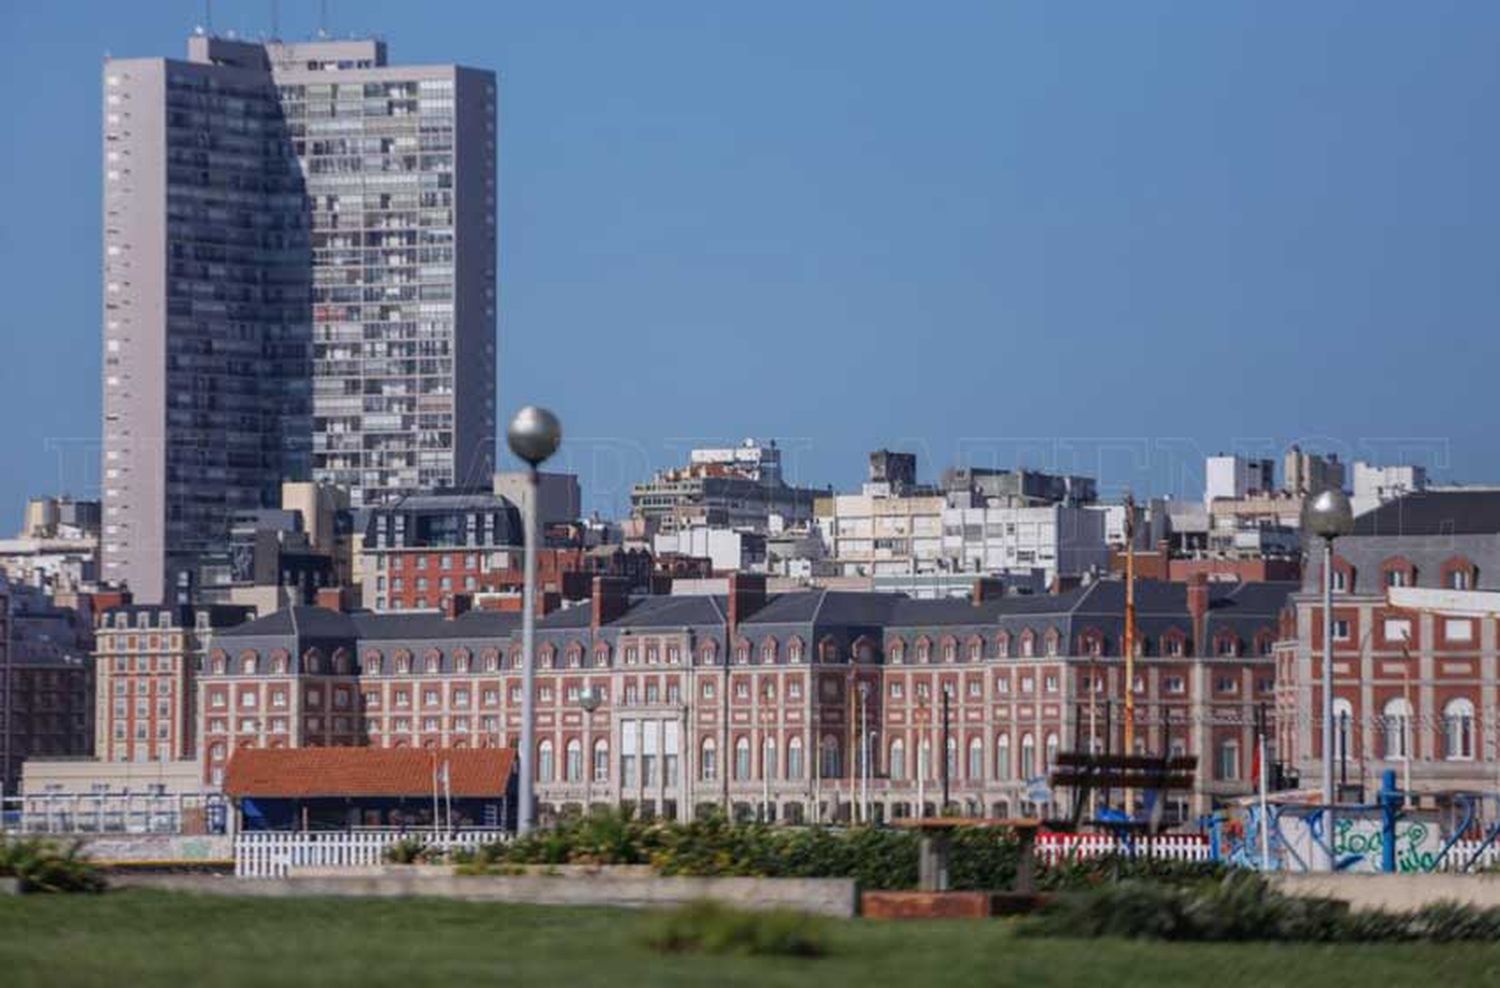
(610,600)
(747,594)
(1197,605)
(332,598)
(987,588)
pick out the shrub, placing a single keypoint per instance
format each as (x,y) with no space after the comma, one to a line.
(407,850)
(46,866)
(711,928)
(1244,906)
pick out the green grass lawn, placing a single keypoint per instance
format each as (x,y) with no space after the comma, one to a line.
(131,938)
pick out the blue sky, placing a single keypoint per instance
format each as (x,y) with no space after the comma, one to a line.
(1101,237)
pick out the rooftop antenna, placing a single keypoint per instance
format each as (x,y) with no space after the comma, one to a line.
(208,15)
(275,21)
(323,20)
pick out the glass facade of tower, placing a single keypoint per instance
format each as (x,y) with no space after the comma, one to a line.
(379,163)
(300,260)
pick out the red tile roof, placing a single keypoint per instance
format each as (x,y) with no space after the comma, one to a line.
(311,772)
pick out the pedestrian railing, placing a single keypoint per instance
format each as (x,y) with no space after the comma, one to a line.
(84,814)
(272,854)
(1054,847)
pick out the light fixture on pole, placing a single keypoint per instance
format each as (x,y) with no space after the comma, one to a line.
(534,435)
(589,701)
(1328,515)
(864,752)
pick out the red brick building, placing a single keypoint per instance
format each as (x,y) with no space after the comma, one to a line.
(769,704)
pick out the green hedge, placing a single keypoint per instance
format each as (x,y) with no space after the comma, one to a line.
(1242,905)
(877,857)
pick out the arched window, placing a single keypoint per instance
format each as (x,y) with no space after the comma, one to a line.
(1343,719)
(976,649)
(794,650)
(794,758)
(247,664)
(742,652)
(1458,730)
(601,760)
(544,761)
(952,757)
(601,655)
(742,759)
(950,650)
(1050,642)
(768,757)
(1002,757)
(1395,724)
(897,651)
(897,762)
(924,758)
(1002,645)
(1051,751)
(573,764)
(830,764)
(1028,644)
(1028,756)
(434,660)
(976,758)
(924,649)
(708,760)
(768,651)
(708,653)
(371,664)
(491,659)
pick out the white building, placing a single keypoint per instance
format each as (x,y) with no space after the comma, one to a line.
(1057,540)
(1374,485)
(1237,477)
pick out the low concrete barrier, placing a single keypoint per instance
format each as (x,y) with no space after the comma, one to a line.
(820,896)
(1396,893)
(163,848)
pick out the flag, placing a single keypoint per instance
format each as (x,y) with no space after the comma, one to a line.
(1255,766)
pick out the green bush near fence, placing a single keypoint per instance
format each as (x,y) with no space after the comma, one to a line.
(882,858)
(1243,906)
(44,865)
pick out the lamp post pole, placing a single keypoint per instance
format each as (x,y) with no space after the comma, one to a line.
(589,702)
(1328,515)
(944,755)
(534,435)
(864,752)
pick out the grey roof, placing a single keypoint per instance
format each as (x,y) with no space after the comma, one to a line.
(1455,512)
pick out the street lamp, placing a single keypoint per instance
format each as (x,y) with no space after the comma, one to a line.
(589,701)
(947,699)
(534,434)
(1328,515)
(864,751)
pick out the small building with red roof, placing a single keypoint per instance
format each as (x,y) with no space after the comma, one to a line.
(348,788)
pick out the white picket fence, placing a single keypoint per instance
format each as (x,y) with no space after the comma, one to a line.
(1052,848)
(270,854)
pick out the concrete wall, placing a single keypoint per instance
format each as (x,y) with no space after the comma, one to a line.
(159,847)
(1395,892)
(820,896)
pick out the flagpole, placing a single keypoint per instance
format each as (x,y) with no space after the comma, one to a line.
(448,793)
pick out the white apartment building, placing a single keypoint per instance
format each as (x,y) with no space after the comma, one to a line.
(1375,485)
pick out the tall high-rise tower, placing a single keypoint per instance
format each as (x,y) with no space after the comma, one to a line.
(299,284)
